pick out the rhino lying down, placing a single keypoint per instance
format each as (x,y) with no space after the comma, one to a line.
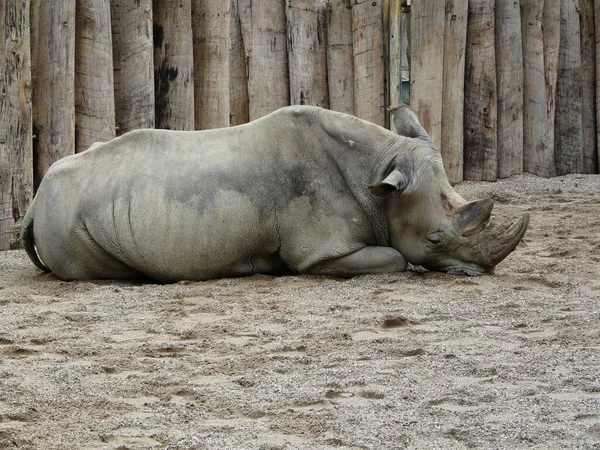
(302,190)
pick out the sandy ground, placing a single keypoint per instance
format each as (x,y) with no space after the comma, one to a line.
(407,360)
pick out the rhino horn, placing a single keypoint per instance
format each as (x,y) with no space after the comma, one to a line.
(496,246)
(473,216)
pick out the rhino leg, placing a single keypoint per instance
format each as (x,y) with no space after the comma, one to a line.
(81,258)
(367,260)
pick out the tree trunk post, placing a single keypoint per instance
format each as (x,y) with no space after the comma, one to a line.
(173,64)
(133,64)
(509,72)
(210,25)
(453,97)
(268,83)
(340,59)
(427,64)
(16,153)
(94,79)
(307,52)
(53,82)
(540,34)
(568,143)
(588,87)
(238,70)
(394,58)
(369,66)
(481,162)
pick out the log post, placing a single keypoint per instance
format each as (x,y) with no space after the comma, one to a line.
(307,52)
(173,64)
(210,26)
(268,83)
(133,64)
(94,79)
(394,57)
(369,66)
(453,97)
(481,161)
(340,59)
(588,89)
(597,34)
(427,64)
(53,82)
(16,154)
(509,73)
(540,33)
(568,150)
(238,71)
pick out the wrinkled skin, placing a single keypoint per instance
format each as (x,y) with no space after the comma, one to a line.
(302,190)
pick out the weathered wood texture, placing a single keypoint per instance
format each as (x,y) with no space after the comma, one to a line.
(210,25)
(597,97)
(538,98)
(427,64)
(133,64)
(588,90)
(340,56)
(268,83)
(16,155)
(369,67)
(307,52)
(568,144)
(94,79)
(395,56)
(453,100)
(53,82)
(509,73)
(173,64)
(481,162)
(238,71)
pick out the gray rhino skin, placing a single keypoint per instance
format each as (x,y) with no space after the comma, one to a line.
(302,190)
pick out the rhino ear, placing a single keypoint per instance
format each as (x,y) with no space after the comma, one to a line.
(394,184)
(407,123)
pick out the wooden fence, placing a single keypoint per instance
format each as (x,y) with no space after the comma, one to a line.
(502,86)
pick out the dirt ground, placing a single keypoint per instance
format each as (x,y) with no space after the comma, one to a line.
(408,360)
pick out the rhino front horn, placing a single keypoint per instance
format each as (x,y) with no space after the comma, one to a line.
(498,245)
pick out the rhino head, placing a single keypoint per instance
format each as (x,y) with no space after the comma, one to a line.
(429,222)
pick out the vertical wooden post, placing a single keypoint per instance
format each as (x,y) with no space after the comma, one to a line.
(238,71)
(369,67)
(210,25)
(588,89)
(94,79)
(509,72)
(568,150)
(53,81)
(268,83)
(395,56)
(597,34)
(340,59)
(453,97)
(540,56)
(427,64)
(307,52)
(481,162)
(173,64)
(133,61)
(16,155)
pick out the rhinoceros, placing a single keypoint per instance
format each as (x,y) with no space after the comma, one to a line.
(302,190)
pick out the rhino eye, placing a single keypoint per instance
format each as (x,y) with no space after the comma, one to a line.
(435,238)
